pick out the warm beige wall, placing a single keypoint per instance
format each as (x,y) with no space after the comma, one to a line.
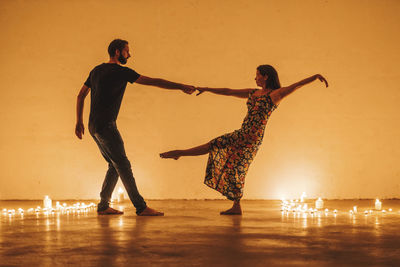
(337,142)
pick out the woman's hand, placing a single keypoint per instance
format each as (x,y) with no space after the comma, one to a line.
(321,78)
(201,90)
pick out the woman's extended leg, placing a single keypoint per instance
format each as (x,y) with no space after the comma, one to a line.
(194,151)
(235,210)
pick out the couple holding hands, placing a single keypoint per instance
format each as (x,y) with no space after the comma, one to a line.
(230,155)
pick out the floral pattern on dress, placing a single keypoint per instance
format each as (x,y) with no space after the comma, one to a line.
(231,154)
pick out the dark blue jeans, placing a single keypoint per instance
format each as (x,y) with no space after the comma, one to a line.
(112,148)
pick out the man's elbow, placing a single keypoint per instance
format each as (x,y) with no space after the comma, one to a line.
(146,80)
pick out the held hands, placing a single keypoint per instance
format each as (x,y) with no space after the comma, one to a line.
(201,90)
(321,78)
(79,130)
(188,89)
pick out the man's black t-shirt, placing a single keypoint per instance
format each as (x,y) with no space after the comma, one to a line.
(107,82)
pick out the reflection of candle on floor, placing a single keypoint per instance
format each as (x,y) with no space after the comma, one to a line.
(378,204)
(120,195)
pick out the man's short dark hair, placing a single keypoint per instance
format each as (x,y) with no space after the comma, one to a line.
(115,45)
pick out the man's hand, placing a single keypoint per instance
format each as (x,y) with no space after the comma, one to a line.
(79,130)
(188,89)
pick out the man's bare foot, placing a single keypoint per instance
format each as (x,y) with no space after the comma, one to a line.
(110,211)
(173,154)
(150,212)
(235,210)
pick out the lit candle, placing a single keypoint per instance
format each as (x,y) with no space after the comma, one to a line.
(355,208)
(303,197)
(378,204)
(120,195)
(47,202)
(319,204)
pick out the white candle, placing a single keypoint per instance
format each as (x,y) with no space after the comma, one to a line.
(319,204)
(120,195)
(47,202)
(355,208)
(378,204)
(303,197)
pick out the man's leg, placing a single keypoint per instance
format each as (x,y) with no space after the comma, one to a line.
(109,183)
(113,146)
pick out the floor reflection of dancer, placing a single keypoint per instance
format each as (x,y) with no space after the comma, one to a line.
(230,155)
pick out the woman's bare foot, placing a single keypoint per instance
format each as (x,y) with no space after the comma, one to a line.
(110,211)
(173,154)
(150,212)
(235,210)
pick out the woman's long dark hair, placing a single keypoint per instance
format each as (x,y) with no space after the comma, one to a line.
(273,80)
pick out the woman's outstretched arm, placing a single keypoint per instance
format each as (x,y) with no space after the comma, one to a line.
(279,94)
(242,93)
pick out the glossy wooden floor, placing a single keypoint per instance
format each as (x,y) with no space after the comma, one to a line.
(194,234)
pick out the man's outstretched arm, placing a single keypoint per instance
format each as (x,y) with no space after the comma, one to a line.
(188,89)
(80,128)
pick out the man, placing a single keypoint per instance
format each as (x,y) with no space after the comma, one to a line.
(107,83)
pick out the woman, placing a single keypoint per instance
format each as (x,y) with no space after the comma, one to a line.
(230,155)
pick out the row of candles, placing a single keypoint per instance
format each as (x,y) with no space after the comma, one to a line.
(294,206)
(48,209)
(48,206)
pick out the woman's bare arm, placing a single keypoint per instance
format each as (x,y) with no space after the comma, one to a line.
(278,94)
(241,93)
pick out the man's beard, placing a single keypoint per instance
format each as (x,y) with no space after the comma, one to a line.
(122,59)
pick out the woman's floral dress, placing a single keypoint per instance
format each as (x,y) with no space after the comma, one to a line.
(231,154)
